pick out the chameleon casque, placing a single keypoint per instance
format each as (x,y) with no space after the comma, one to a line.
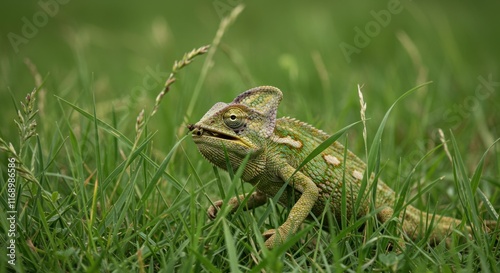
(248,125)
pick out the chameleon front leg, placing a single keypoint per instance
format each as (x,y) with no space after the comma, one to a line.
(256,199)
(309,194)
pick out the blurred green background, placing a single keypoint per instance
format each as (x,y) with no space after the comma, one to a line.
(118,54)
(122,51)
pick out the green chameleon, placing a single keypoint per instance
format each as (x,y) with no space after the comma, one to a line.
(248,126)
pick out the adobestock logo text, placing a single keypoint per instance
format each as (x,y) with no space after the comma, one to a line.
(32,24)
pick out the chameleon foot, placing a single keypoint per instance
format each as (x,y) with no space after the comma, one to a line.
(274,237)
(214,209)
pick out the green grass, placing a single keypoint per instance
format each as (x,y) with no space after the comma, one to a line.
(101,187)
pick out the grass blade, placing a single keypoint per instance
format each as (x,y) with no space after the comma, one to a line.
(231,248)
(373,154)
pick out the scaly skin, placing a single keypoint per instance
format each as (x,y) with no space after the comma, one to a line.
(248,125)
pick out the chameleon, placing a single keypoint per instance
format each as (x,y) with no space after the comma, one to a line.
(276,147)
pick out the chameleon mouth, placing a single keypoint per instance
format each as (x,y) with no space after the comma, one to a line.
(204,132)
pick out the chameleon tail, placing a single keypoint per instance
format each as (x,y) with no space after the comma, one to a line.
(416,223)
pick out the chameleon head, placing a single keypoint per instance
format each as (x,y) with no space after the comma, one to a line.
(239,128)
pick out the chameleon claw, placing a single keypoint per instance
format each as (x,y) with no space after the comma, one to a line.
(274,237)
(214,209)
(269,233)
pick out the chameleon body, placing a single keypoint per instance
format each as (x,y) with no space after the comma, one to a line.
(248,125)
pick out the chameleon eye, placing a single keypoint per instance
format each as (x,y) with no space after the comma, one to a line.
(234,118)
